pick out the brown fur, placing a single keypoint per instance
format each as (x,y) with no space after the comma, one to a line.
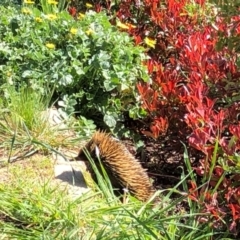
(123,169)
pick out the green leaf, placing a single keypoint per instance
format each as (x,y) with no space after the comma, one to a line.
(109,86)
(66,80)
(109,120)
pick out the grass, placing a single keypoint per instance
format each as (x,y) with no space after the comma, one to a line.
(26,125)
(33,206)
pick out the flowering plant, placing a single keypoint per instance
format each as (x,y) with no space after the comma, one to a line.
(92,66)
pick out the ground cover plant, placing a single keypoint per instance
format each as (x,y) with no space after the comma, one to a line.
(85,60)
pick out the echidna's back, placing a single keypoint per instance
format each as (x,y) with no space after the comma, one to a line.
(121,165)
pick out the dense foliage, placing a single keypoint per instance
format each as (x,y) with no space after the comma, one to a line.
(193,59)
(88,64)
(194,65)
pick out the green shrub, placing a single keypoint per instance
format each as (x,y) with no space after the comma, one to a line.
(92,66)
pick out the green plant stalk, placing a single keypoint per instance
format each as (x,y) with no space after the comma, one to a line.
(103,180)
(62,5)
(214,158)
(187,163)
(46,7)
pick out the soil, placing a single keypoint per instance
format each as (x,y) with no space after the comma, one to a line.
(162,157)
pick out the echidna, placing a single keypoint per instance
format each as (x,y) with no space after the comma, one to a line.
(123,169)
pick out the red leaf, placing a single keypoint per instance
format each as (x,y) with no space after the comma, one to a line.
(72,11)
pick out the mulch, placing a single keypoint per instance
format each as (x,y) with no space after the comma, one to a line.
(162,157)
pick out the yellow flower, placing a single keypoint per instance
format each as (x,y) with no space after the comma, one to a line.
(53,2)
(50,45)
(89,5)
(28,1)
(150,42)
(9,74)
(26,11)
(38,19)
(122,25)
(73,31)
(89,31)
(131,25)
(51,16)
(80,16)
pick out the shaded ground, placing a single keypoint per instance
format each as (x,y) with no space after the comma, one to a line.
(164,160)
(163,157)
